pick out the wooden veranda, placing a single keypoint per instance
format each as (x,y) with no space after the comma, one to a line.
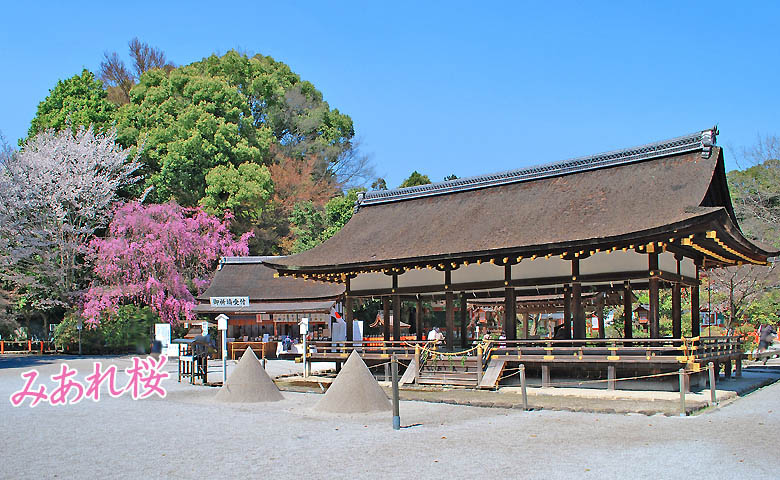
(645,218)
(483,364)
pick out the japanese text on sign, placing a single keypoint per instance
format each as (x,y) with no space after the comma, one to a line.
(229,301)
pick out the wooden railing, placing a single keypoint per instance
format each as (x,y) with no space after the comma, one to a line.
(370,349)
(591,350)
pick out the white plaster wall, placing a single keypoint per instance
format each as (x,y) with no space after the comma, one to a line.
(422,277)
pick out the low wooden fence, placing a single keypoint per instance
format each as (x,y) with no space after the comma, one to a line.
(26,346)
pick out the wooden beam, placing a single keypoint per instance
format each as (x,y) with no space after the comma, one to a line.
(499,285)
(653,316)
(628,311)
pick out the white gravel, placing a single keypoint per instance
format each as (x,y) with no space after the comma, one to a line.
(188,435)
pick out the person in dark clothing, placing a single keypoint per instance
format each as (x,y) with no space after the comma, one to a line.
(766,337)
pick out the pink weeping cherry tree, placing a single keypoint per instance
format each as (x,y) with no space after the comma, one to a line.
(159,256)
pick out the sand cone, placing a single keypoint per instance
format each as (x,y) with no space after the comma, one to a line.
(355,390)
(249,383)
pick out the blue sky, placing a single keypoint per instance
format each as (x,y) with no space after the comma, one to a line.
(448,87)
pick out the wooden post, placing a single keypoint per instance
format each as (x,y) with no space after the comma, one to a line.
(396,413)
(348,316)
(653,314)
(628,311)
(600,314)
(727,369)
(566,311)
(545,376)
(386,321)
(464,331)
(695,319)
(711,371)
(738,367)
(419,319)
(449,300)
(677,303)
(682,392)
(576,300)
(523,386)
(676,311)
(479,364)
(2,346)
(510,314)
(417,359)
(397,318)
(610,377)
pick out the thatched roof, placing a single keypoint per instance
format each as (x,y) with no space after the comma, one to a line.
(657,192)
(251,277)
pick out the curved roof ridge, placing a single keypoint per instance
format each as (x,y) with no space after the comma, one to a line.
(703,140)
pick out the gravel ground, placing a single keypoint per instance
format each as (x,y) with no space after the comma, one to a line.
(188,435)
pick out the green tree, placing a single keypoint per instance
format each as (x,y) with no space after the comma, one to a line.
(244,191)
(187,124)
(452,176)
(416,178)
(293,109)
(78,101)
(312,225)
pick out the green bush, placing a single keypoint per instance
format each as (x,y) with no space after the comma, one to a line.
(129,330)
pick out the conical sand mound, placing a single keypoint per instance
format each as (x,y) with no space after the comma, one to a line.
(249,383)
(354,391)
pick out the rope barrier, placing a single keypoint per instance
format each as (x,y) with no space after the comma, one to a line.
(602,380)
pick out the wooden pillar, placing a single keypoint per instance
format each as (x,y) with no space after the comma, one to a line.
(386,321)
(653,315)
(348,316)
(419,319)
(397,318)
(566,311)
(464,321)
(695,321)
(676,311)
(677,304)
(510,306)
(600,314)
(578,312)
(449,300)
(628,311)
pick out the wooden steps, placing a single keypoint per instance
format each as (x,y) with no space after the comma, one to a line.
(458,372)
